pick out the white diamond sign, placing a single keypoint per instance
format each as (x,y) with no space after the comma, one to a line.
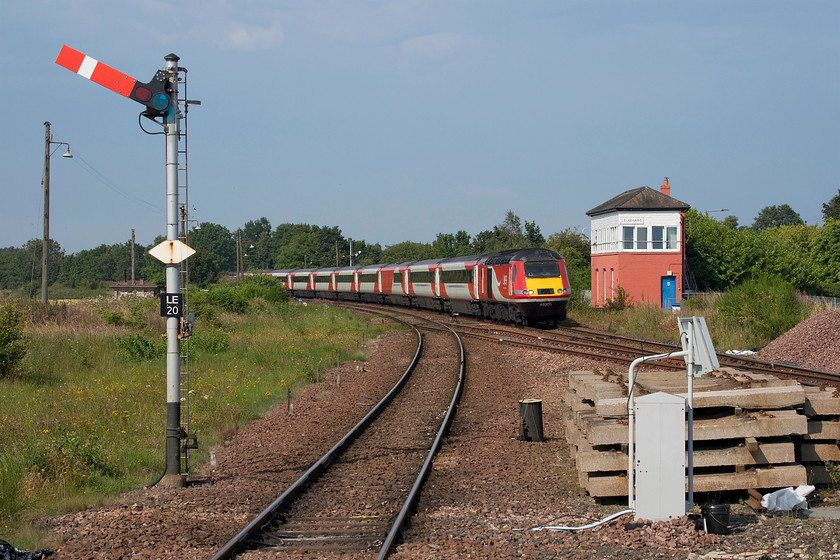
(171,251)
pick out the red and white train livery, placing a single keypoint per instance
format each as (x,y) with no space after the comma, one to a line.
(521,285)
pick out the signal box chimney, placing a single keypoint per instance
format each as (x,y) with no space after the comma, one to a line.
(665,188)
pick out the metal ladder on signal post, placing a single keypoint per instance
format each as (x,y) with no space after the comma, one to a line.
(188,439)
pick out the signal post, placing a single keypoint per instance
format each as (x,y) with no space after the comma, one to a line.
(160,97)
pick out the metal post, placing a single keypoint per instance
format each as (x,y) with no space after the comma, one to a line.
(690,417)
(172,476)
(45,246)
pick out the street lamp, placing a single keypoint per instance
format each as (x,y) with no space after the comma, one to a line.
(352,254)
(45,247)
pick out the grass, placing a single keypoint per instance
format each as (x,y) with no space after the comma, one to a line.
(735,322)
(84,418)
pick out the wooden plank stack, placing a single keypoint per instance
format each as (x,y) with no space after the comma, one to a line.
(751,431)
(822,442)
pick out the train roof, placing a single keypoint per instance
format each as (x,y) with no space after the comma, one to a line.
(493,259)
(534,254)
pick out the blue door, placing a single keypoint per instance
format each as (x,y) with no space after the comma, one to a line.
(669,292)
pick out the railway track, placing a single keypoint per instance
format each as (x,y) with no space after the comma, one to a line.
(357,496)
(622,350)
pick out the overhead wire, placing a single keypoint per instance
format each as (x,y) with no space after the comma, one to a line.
(99,176)
(84,164)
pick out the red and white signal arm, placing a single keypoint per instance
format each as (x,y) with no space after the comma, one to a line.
(155,95)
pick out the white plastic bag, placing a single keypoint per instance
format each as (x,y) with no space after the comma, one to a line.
(787,499)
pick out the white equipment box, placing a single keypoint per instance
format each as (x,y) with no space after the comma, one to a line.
(660,457)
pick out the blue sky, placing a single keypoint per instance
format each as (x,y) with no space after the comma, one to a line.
(396,120)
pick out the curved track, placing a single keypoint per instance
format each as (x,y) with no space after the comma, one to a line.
(357,496)
(623,350)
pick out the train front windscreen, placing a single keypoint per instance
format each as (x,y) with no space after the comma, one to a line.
(547,269)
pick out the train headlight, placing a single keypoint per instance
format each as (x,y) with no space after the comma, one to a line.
(530,292)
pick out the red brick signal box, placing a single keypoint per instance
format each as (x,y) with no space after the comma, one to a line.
(638,243)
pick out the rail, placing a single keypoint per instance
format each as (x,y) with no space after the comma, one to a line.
(258,525)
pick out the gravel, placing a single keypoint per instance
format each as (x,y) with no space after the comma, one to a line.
(812,343)
(486,490)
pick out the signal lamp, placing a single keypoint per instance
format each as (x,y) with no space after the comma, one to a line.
(155,95)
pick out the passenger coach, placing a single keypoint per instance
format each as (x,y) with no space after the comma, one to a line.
(520,286)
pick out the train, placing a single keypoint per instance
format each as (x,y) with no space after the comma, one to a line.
(521,286)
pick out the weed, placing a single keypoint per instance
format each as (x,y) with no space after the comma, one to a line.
(210,340)
(833,471)
(135,347)
(620,301)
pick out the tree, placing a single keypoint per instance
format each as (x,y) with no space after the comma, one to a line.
(253,229)
(721,258)
(825,251)
(303,245)
(16,268)
(832,208)
(573,245)
(153,270)
(799,237)
(258,234)
(508,235)
(731,222)
(775,216)
(91,267)
(215,253)
(407,251)
(533,235)
(451,245)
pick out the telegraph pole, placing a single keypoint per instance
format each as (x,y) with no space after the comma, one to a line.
(45,248)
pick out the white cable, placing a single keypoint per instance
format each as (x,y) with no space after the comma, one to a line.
(590,526)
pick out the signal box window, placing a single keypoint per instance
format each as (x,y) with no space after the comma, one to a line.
(627,234)
(657,236)
(671,242)
(641,238)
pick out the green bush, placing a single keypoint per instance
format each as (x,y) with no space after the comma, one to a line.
(73,456)
(761,309)
(239,297)
(262,286)
(228,298)
(137,348)
(13,344)
(210,340)
(113,317)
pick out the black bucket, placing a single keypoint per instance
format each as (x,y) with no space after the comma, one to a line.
(716,518)
(531,424)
